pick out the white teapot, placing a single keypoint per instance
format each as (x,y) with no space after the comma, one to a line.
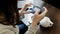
(46,22)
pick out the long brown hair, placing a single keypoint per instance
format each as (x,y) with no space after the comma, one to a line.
(9,7)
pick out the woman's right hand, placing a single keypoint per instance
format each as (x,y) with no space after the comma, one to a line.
(23,10)
(38,17)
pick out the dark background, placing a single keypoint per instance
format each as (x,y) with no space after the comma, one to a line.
(55,3)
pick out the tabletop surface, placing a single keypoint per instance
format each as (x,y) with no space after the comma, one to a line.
(54,15)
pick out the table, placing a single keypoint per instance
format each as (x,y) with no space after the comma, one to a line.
(54,14)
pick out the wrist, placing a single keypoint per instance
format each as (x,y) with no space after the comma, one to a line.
(34,23)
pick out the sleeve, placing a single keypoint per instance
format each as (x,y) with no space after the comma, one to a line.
(6,31)
(32,30)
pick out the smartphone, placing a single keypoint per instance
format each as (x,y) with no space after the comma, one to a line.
(37,4)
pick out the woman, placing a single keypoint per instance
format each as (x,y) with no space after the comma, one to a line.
(9,17)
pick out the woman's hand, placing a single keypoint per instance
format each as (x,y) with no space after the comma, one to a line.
(38,17)
(23,10)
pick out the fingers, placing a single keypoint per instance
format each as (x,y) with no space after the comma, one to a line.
(25,7)
(26,12)
(37,12)
(44,12)
(28,4)
(23,10)
(45,9)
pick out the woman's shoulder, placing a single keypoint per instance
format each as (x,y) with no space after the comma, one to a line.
(8,28)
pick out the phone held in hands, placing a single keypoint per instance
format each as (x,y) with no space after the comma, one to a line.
(35,6)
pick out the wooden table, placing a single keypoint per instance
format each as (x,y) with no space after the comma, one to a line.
(54,14)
